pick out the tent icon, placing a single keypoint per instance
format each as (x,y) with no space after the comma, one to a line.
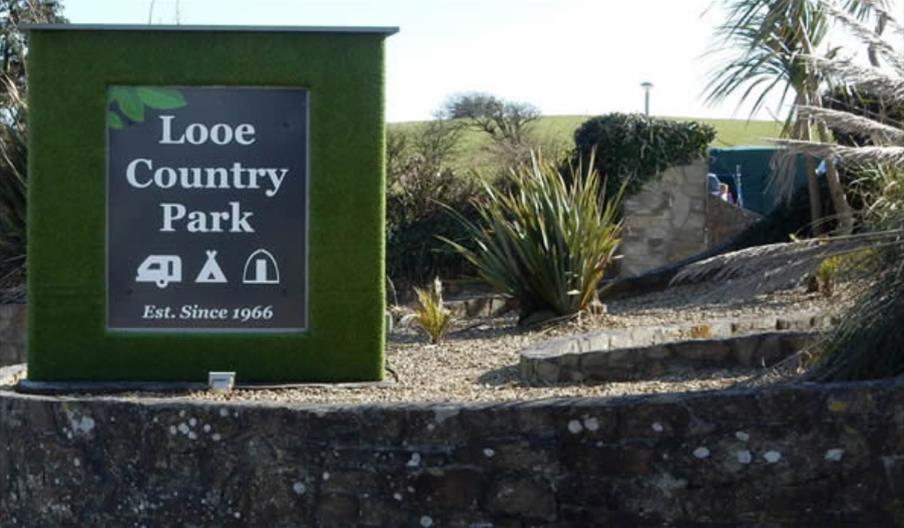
(261,268)
(211,272)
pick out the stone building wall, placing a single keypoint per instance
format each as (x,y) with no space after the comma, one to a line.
(665,221)
(724,221)
(12,334)
(814,455)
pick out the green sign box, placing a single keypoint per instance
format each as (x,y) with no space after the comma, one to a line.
(267,260)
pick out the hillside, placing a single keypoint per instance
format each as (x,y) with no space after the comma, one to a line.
(554,134)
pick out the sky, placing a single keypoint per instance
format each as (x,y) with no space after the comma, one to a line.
(566,57)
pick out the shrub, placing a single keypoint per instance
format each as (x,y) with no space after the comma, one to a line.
(544,242)
(12,198)
(631,149)
(418,179)
(432,318)
(414,253)
(13,129)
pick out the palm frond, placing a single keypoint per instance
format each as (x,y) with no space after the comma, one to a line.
(768,39)
(865,34)
(866,155)
(762,269)
(868,342)
(878,82)
(853,124)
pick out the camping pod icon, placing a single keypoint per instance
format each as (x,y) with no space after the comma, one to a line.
(261,268)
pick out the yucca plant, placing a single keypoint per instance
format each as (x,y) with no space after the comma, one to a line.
(545,242)
(430,315)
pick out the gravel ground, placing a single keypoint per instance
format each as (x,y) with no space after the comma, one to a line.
(478,360)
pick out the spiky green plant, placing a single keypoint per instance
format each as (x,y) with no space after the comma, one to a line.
(544,242)
(430,315)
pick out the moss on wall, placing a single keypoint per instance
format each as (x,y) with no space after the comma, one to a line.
(69,72)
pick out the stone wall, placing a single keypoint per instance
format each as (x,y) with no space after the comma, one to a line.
(724,220)
(12,334)
(664,221)
(645,352)
(828,456)
(543,367)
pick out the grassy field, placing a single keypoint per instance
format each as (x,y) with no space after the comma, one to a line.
(554,134)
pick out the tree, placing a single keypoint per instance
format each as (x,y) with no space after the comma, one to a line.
(506,122)
(418,173)
(772,39)
(868,343)
(13,41)
(13,133)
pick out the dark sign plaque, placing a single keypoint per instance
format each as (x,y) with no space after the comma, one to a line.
(207,208)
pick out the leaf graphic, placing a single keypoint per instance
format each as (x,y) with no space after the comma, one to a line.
(129,102)
(113,120)
(161,98)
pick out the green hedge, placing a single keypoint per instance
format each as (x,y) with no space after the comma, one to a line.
(637,148)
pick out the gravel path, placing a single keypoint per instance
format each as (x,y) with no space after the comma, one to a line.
(478,360)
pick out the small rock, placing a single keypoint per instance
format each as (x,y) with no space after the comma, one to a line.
(772,457)
(834,455)
(575,427)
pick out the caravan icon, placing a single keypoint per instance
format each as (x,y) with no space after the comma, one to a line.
(261,268)
(160,269)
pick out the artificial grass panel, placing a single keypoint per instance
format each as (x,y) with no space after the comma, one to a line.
(69,72)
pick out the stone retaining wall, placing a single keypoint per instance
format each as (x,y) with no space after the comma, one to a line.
(12,334)
(540,367)
(828,456)
(491,305)
(625,354)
